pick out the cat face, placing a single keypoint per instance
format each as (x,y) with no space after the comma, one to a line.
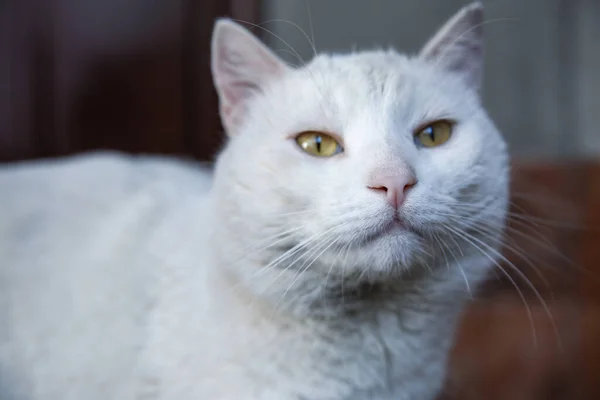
(360,164)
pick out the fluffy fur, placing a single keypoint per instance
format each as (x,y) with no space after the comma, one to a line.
(281,277)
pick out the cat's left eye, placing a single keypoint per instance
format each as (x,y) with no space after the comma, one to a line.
(318,144)
(435,134)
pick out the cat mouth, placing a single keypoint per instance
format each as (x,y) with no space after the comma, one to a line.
(393,227)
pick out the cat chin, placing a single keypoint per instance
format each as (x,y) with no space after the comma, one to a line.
(392,252)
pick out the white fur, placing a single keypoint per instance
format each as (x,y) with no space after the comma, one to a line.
(128,278)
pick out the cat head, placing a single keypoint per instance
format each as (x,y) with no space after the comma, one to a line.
(360,165)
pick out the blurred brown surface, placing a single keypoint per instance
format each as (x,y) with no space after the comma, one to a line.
(503,352)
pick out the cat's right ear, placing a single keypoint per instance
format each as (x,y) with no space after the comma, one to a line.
(241,65)
(458,45)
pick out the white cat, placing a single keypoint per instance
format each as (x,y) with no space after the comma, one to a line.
(358,200)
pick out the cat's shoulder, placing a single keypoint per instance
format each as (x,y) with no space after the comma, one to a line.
(108,172)
(98,182)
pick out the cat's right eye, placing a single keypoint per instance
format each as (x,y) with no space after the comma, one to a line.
(434,134)
(318,144)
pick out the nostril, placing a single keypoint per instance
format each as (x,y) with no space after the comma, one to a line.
(394,188)
(378,188)
(409,185)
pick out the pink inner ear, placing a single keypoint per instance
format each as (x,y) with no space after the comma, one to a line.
(458,45)
(241,66)
(233,101)
(240,90)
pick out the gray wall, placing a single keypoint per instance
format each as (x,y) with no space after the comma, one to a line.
(542,82)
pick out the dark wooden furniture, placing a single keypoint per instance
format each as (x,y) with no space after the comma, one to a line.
(115,74)
(556,227)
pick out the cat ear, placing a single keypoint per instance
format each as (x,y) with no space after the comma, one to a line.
(458,45)
(241,65)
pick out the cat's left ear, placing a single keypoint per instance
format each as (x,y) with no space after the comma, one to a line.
(458,45)
(241,66)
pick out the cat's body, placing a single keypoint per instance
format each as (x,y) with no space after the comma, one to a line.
(288,275)
(75,313)
(78,324)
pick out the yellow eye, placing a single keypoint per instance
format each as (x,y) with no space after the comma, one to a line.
(318,144)
(434,134)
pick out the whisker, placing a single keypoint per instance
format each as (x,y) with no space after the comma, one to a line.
(468,286)
(521,295)
(294,53)
(287,254)
(483,228)
(295,25)
(528,282)
(459,37)
(271,240)
(342,249)
(348,247)
(282,257)
(255,249)
(547,245)
(525,217)
(437,239)
(518,251)
(549,199)
(303,270)
(286,51)
(310,25)
(547,222)
(258,26)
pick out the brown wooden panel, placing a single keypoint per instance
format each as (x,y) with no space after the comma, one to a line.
(132,102)
(205,132)
(545,221)
(589,258)
(495,356)
(16,29)
(126,75)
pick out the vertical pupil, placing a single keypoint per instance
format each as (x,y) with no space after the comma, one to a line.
(318,141)
(431,133)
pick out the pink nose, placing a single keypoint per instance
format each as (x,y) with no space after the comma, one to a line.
(395,188)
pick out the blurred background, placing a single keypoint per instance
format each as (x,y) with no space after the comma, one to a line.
(134,76)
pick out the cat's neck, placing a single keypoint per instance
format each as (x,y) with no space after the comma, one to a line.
(285,292)
(404,335)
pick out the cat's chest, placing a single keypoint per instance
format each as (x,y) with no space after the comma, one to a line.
(374,360)
(218,347)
